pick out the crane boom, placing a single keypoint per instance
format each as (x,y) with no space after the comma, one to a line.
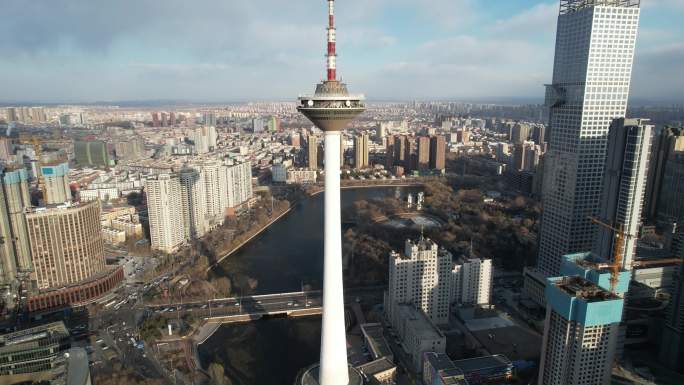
(618,250)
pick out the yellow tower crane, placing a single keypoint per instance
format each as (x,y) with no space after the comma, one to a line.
(618,250)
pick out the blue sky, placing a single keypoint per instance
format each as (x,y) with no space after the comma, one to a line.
(226,50)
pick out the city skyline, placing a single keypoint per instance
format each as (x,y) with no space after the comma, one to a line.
(393,50)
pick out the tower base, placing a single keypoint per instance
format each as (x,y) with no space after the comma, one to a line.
(309,376)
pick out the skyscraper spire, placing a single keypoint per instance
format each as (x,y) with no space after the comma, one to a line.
(332,56)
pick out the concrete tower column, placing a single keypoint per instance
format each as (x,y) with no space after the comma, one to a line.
(334,369)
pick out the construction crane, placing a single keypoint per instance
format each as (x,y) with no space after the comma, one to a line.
(618,250)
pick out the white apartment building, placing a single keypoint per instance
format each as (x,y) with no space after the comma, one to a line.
(595,43)
(165,212)
(420,276)
(471,281)
(194,196)
(238,183)
(302,176)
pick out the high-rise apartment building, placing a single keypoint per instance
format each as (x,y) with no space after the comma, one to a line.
(471,281)
(361,151)
(423,153)
(580,333)
(55,179)
(420,276)
(17,200)
(624,185)
(91,153)
(665,144)
(591,78)
(238,182)
(165,212)
(155,119)
(438,152)
(215,188)
(66,244)
(194,201)
(204,139)
(400,144)
(312,152)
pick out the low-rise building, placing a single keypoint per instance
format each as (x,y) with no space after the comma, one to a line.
(438,369)
(375,341)
(418,335)
(496,369)
(381,371)
(113,236)
(301,176)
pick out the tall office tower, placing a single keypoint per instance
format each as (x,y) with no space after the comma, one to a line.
(172,119)
(164,120)
(421,276)
(331,108)
(55,179)
(624,184)
(471,281)
(400,144)
(17,200)
(591,77)
(155,119)
(668,141)
(66,244)
(438,152)
(672,346)
(312,152)
(91,153)
(194,202)
(361,151)
(670,205)
(238,182)
(580,333)
(165,212)
(423,153)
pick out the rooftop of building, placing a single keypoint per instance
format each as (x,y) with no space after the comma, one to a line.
(581,288)
(51,208)
(424,328)
(380,365)
(15,340)
(485,362)
(571,6)
(445,368)
(376,339)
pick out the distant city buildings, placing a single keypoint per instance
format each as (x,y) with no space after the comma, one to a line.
(361,151)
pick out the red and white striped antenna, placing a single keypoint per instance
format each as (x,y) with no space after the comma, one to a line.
(332,71)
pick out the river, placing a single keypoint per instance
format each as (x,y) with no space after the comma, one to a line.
(286,256)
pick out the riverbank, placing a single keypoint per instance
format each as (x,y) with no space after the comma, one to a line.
(246,241)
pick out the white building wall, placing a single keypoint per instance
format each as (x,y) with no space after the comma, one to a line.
(165,212)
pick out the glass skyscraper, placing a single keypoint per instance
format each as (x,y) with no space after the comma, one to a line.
(591,78)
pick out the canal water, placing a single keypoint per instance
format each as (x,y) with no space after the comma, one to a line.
(283,258)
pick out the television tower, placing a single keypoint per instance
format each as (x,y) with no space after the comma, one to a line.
(330,109)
